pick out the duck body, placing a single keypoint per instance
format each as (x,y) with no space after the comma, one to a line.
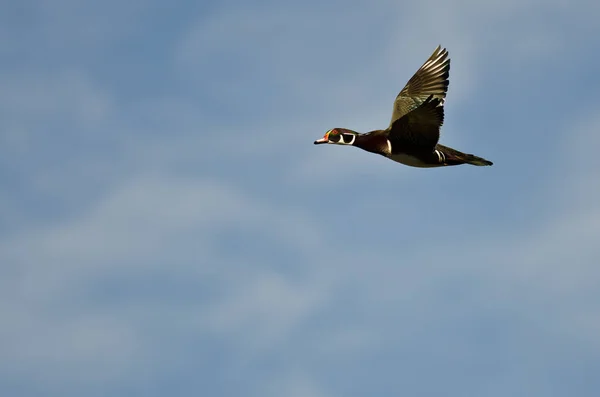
(412,136)
(377,142)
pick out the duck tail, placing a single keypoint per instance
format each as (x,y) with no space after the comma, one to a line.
(454,157)
(474,160)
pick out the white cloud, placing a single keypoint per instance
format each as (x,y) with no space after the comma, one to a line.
(262,312)
(57,346)
(139,230)
(145,215)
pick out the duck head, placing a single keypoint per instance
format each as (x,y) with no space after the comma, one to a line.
(338,136)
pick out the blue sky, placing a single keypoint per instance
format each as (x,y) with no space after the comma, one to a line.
(168,228)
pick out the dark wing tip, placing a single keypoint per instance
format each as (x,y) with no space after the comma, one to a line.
(432,77)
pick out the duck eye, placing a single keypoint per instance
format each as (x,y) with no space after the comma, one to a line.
(334,137)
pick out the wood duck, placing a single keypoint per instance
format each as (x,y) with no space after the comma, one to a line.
(413,134)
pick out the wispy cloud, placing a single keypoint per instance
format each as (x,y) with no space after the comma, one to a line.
(174,230)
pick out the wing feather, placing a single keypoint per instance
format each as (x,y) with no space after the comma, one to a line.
(430,80)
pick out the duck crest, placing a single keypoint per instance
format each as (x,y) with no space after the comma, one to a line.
(345,131)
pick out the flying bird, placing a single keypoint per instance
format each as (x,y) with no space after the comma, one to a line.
(413,134)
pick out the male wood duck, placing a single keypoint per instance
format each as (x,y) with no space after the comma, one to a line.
(413,134)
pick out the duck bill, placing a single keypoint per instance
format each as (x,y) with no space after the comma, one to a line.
(325,139)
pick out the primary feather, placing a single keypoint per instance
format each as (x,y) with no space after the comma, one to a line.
(430,80)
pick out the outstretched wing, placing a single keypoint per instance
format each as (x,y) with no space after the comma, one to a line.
(430,79)
(420,128)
